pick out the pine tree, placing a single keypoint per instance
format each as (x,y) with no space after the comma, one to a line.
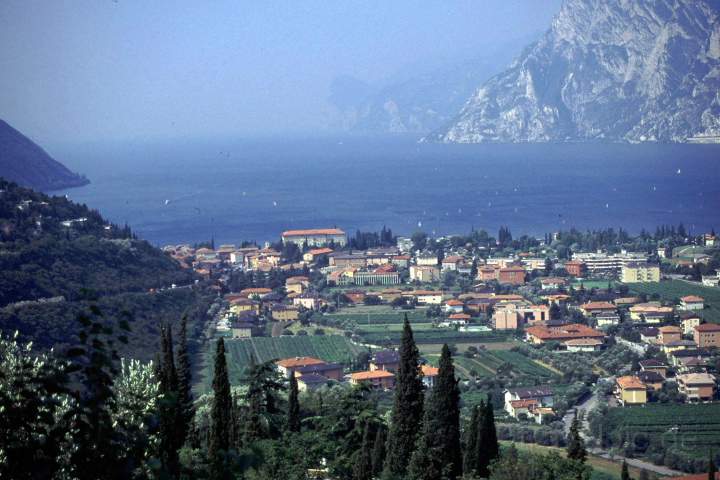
(378,453)
(471,439)
(293,413)
(407,410)
(575,443)
(624,473)
(184,373)
(439,454)
(362,468)
(220,416)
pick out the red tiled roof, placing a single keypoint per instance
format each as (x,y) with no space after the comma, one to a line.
(313,231)
(692,299)
(708,327)
(299,362)
(371,375)
(429,371)
(566,332)
(630,382)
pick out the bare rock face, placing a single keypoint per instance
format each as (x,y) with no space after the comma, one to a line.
(607,70)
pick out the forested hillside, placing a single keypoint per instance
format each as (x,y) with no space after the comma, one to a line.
(57,258)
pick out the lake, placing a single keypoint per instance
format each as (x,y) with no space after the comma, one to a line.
(190,191)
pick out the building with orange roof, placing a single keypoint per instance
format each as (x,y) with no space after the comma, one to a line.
(430,373)
(251,292)
(668,334)
(707,335)
(541,334)
(380,379)
(594,308)
(454,305)
(315,253)
(692,302)
(288,365)
(512,275)
(630,390)
(315,237)
(575,268)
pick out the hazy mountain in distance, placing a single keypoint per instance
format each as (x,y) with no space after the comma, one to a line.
(606,70)
(418,101)
(25,163)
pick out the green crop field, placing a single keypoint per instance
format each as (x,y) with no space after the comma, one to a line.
(433,336)
(523,364)
(694,429)
(671,290)
(394,327)
(331,348)
(370,315)
(486,363)
(588,284)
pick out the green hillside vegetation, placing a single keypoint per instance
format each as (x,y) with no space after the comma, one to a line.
(51,272)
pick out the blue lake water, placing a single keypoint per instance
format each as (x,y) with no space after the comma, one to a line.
(188,191)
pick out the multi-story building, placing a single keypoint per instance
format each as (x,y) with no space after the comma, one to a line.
(696,386)
(317,237)
(426,258)
(424,273)
(707,335)
(609,263)
(575,268)
(630,390)
(512,275)
(639,273)
(376,278)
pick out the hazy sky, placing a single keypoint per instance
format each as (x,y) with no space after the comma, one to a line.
(78,70)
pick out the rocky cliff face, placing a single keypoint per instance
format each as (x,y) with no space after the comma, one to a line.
(25,163)
(607,70)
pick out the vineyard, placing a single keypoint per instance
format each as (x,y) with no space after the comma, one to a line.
(437,335)
(673,289)
(331,348)
(693,429)
(372,315)
(486,363)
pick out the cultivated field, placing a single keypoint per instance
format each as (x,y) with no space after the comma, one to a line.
(671,290)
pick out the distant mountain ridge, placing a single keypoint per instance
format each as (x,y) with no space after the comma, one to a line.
(24,162)
(606,70)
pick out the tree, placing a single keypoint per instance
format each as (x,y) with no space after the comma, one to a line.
(624,473)
(293,413)
(471,439)
(184,373)
(378,454)
(712,469)
(362,469)
(220,416)
(645,476)
(575,443)
(419,240)
(438,454)
(488,448)
(407,410)
(169,407)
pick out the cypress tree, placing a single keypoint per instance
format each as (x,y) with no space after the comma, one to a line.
(471,440)
(362,469)
(184,373)
(575,444)
(644,475)
(438,454)
(220,416)
(293,414)
(169,370)
(712,469)
(624,473)
(168,407)
(378,454)
(407,410)
(488,442)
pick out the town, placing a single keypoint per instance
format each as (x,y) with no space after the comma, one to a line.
(620,331)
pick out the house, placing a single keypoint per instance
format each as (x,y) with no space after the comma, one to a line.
(242,329)
(583,345)
(309,301)
(591,309)
(284,313)
(697,386)
(575,268)
(424,273)
(297,284)
(512,275)
(542,333)
(630,390)
(507,317)
(639,272)
(675,345)
(316,237)
(255,292)
(710,280)
(687,359)
(624,302)
(288,365)
(460,319)
(316,253)
(311,381)
(649,335)
(355,296)
(692,302)
(451,262)
(652,380)
(689,323)
(604,320)
(347,260)
(426,258)
(650,312)
(707,335)
(669,334)
(430,373)
(544,396)
(332,371)
(243,304)
(387,360)
(377,379)
(487,273)
(454,306)
(655,366)
(553,283)
(425,297)
(401,261)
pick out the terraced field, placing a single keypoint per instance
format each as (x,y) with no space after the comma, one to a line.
(331,348)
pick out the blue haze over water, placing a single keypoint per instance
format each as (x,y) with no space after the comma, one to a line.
(189,191)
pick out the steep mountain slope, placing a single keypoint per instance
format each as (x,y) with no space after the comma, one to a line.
(24,162)
(57,258)
(610,70)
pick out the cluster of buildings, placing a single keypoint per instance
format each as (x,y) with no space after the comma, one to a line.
(312,373)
